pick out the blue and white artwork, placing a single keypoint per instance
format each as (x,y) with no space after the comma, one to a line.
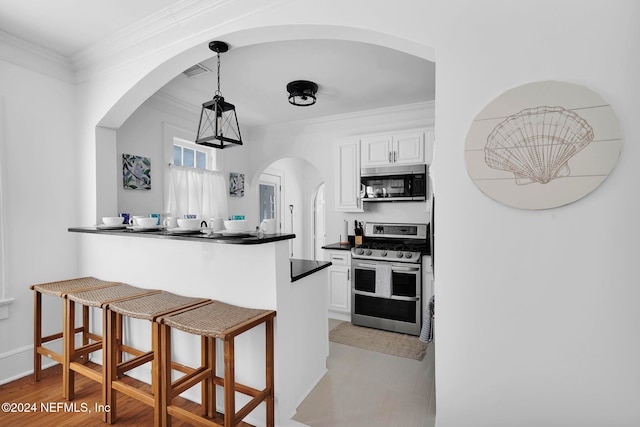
(136,172)
(236,184)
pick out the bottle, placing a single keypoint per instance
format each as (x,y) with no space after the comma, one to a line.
(358,234)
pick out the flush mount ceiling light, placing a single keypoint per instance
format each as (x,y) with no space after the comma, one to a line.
(302,93)
(218,126)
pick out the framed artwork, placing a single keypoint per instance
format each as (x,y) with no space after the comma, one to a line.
(542,145)
(136,172)
(236,184)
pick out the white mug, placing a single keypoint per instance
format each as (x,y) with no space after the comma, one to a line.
(268,226)
(216,224)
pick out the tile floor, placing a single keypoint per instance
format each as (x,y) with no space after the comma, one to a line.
(365,388)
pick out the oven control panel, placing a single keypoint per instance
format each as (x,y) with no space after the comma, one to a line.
(385,255)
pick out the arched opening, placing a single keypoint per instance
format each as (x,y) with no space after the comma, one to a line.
(107,154)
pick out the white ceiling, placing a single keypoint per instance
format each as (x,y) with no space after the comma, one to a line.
(351,76)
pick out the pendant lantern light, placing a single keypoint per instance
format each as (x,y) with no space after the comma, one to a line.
(218,126)
(302,93)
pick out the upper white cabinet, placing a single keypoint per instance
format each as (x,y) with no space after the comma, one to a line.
(397,148)
(347,179)
(376,150)
(407,147)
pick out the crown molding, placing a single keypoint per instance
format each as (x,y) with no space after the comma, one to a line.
(35,58)
(166,103)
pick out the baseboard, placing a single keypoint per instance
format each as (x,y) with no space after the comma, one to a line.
(304,396)
(346,317)
(18,363)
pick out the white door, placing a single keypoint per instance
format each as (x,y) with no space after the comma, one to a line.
(270,194)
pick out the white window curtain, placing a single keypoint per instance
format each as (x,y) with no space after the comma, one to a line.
(197,192)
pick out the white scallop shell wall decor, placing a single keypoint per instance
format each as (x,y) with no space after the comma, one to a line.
(542,145)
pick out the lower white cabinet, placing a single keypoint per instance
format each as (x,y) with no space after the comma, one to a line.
(339,286)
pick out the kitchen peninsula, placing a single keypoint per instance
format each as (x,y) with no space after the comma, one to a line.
(251,271)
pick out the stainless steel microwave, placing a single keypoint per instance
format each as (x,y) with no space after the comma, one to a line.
(394,183)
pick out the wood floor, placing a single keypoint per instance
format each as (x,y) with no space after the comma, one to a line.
(46,394)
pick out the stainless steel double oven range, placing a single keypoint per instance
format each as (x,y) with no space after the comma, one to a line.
(386,273)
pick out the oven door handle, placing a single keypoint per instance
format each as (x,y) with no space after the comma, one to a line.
(365,265)
(398,268)
(393,267)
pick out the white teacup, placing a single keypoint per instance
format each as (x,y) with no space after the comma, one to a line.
(170,222)
(189,223)
(268,226)
(112,221)
(144,221)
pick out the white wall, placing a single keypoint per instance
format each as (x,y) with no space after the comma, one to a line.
(40,201)
(537,311)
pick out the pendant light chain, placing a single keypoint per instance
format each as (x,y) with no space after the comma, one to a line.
(218,91)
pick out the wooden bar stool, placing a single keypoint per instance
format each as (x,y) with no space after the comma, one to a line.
(60,289)
(224,322)
(147,308)
(99,298)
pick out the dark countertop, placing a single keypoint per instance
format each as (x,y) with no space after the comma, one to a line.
(245,239)
(339,246)
(304,267)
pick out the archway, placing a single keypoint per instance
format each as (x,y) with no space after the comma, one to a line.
(299,180)
(163,72)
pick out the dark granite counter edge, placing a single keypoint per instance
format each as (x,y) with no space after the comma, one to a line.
(304,267)
(339,246)
(162,234)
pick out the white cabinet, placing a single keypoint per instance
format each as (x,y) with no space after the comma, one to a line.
(347,177)
(339,286)
(408,148)
(393,149)
(377,150)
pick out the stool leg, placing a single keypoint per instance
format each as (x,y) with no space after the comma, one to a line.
(68,347)
(110,364)
(106,368)
(165,372)
(229,384)
(85,330)
(208,346)
(37,335)
(269,372)
(156,379)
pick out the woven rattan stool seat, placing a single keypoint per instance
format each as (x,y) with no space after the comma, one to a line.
(63,287)
(99,297)
(212,320)
(152,306)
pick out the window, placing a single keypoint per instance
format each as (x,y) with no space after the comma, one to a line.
(186,154)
